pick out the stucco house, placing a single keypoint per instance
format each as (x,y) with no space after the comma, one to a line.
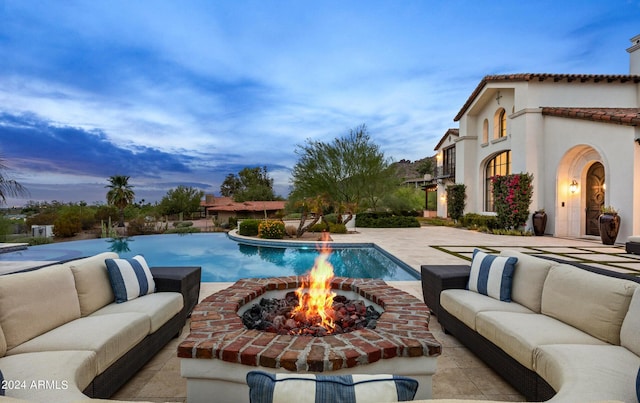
(578,134)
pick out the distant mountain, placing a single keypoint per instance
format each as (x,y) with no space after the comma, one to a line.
(407,169)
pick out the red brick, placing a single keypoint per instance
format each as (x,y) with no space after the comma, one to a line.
(249,356)
(289,359)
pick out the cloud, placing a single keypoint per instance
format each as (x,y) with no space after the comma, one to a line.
(175,93)
(41,147)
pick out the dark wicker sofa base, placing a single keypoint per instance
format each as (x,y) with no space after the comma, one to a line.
(114,377)
(437,278)
(524,380)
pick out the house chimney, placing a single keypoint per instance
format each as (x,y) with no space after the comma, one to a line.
(634,56)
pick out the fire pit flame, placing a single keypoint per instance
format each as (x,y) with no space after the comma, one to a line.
(315,298)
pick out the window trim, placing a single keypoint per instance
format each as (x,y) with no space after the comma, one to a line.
(491,164)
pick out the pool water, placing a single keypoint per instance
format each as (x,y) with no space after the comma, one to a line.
(224,260)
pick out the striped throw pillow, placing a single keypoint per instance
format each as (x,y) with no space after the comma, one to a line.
(492,275)
(309,388)
(130,278)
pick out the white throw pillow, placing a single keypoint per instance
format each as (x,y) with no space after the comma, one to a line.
(130,278)
(492,275)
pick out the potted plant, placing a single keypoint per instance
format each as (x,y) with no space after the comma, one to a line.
(609,222)
(539,219)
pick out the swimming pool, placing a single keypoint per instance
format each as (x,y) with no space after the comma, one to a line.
(223,259)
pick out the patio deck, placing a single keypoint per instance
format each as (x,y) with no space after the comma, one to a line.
(460,374)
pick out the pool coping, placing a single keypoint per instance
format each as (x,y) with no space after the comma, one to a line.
(277,243)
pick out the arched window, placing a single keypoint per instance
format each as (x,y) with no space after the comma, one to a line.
(500,124)
(497,166)
(485,131)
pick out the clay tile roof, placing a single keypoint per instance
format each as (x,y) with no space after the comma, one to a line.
(577,78)
(620,116)
(249,206)
(452,131)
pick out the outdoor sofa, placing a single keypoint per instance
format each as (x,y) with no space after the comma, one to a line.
(63,336)
(570,333)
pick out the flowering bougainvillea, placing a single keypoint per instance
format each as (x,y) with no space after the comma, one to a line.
(511,199)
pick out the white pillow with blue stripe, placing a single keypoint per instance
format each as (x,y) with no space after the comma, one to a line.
(130,278)
(492,275)
(309,388)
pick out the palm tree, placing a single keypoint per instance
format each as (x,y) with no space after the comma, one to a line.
(9,187)
(120,194)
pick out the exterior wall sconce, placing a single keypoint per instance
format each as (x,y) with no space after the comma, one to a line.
(443,197)
(573,187)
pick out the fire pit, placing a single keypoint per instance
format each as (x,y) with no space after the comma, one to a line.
(221,350)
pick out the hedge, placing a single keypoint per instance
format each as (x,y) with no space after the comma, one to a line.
(385,220)
(249,227)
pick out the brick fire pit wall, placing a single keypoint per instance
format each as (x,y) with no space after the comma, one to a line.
(217,331)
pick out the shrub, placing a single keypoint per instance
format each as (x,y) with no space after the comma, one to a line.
(385,220)
(66,226)
(455,200)
(337,228)
(142,226)
(271,229)
(249,227)
(182,224)
(511,198)
(320,227)
(330,218)
(233,222)
(438,221)
(103,213)
(472,220)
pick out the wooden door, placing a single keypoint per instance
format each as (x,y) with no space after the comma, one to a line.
(595,197)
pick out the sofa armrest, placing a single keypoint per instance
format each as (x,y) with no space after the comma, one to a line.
(436,278)
(185,280)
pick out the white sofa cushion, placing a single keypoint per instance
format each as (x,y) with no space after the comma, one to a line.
(584,373)
(35,302)
(519,334)
(109,336)
(130,278)
(492,275)
(588,301)
(158,307)
(92,282)
(528,279)
(465,305)
(630,330)
(68,374)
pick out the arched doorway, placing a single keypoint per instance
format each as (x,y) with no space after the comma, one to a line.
(578,206)
(594,197)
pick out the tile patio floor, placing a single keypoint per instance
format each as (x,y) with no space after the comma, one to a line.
(460,374)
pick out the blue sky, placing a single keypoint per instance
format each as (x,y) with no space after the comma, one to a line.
(185,92)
